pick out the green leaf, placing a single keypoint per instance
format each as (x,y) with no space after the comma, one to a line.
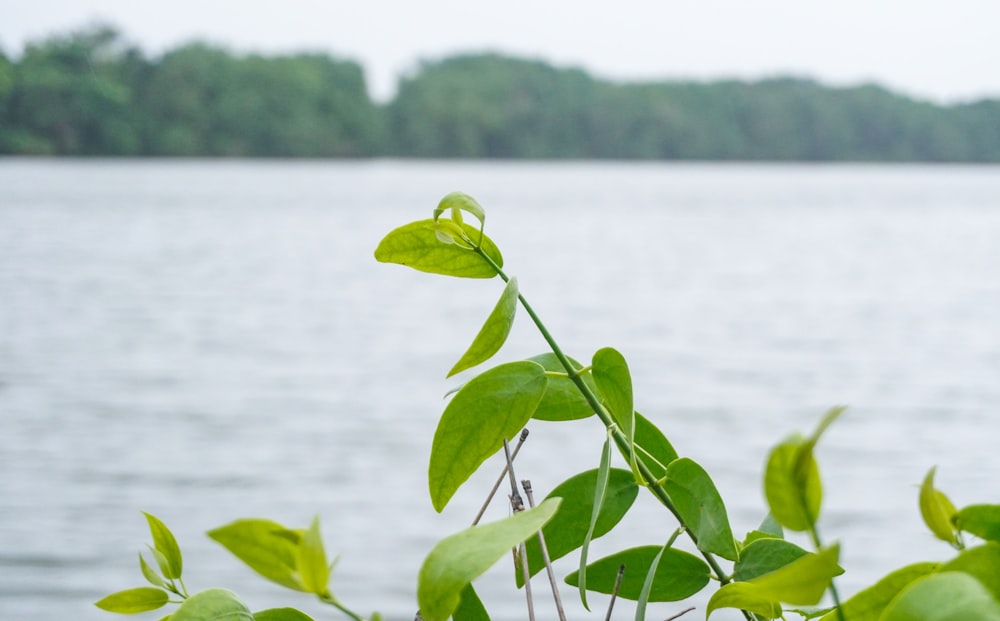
(470,607)
(981,562)
(417,245)
(312,564)
(567,529)
(133,601)
(803,581)
(494,332)
(678,576)
(610,372)
(600,490)
(562,399)
(792,485)
(937,510)
(765,555)
(982,521)
(213,605)
(456,560)
(700,506)
(165,544)
(647,584)
(868,604)
(744,596)
(490,408)
(946,596)
(652,447)
(265,546)
(281,614)
(150,574)
(456,203)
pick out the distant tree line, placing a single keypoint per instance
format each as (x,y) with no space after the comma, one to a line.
(89,93)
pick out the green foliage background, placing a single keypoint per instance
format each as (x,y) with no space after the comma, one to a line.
(90,92)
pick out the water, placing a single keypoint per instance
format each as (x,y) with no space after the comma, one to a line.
(213,340)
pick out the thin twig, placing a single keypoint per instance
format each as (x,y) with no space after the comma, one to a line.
(516,503)
(520,554)
(679,614)
(526,484)
(503,473)
(614,591)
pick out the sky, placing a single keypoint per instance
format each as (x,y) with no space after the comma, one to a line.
(943,51)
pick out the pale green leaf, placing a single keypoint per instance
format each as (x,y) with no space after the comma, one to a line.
(701,508)
(600,490)
(314,570)
(281,614)
(417,245)
(981,520)
(150,574)
(133,601)
(981,562)
(265,546)
(567,530)
(945,596)
(678,576)
(765,555)
(494,332)
(562,399)
(803,581)
(457,560)
(868,604)
(792,485)
(647,585)
(490,408)
(456,203)
(213,605)
(744,596)
(165,544)
(937,510)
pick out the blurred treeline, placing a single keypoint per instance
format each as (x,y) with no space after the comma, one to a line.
(90,93)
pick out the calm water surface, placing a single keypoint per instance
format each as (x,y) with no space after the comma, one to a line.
(213,340)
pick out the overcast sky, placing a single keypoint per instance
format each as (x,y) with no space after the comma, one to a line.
(940,50)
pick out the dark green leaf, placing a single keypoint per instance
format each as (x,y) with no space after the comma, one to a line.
(133,601)
(165,544)
(678,576)
(281,614)
(652,447)
(312,565)
(494,332)
(946,596)
(981,562)
(764,556)
(470,607)
(492,407)
(610,372)
(265,547)
(700,506)
(567,529)
(981,520)
(417,245)
(456,560)
(562,399)
(600,489)
(213,605)
(868,604)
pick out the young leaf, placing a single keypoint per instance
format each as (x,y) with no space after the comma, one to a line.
(456,203)
(494,332)
(763,556)
(744,596)
(213,605)
(165,544)
(456,560)
(562,399)
(470,607)
(150,574)
(803,581)
(792,485)
(981,562)
(567,529)
(490,408)
(652,447)
(281,614)
(698,501)
(679,574)
(417,245)
(983,521)
(647,585)
(600,489)
(265,546)
(868,604)
(133,601)
(945,596)
(313,568)
(612,376)
(937,510)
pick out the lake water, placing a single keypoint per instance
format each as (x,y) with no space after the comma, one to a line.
(214,340)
